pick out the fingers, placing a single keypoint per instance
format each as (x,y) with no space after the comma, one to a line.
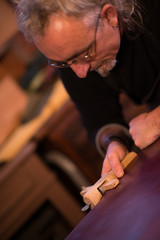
(112,162)
(106,166)
(116,165)
(115,154)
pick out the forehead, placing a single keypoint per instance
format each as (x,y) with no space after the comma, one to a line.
(62,36)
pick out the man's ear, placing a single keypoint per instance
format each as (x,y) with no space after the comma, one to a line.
(109,12)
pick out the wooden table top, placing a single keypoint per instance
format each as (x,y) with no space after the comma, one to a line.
(132,210)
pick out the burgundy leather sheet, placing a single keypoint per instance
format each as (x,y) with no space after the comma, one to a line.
(132,210)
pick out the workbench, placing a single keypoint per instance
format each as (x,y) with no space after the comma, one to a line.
(132,209)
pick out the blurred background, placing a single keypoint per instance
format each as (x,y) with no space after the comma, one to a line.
(45,156)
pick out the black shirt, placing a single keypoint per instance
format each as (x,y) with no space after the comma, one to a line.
(137,73)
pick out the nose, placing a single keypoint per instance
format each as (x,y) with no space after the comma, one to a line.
(81,70)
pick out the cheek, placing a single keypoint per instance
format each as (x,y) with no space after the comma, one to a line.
(106,52)
(110,48)
(109,45)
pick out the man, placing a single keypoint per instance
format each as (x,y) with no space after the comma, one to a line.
(103,47)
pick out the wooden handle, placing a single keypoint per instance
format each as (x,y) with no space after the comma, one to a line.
(128,159)
(91,195)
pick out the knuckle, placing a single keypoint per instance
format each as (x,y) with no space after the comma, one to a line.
(138,143)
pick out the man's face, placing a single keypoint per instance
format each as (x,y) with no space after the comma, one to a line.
(67,39)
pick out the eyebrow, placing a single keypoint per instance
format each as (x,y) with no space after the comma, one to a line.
(74,55)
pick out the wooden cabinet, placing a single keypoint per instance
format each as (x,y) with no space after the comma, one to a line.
(25,184)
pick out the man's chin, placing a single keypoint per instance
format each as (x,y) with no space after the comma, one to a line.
(102,72)
(105,68)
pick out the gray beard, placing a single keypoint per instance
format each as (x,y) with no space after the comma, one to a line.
(106,67)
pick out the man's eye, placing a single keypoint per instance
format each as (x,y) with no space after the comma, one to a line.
(82,55)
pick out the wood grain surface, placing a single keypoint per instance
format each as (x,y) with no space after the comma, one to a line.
(132,210)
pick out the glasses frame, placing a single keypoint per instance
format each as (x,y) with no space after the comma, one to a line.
(86,59)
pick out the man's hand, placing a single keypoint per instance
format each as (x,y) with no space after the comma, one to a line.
(145,128)
(115,153)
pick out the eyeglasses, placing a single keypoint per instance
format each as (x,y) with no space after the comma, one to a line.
(81,60)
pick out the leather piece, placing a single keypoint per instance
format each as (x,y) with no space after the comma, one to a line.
(132,210)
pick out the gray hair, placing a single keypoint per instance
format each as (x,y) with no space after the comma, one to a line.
(33,15)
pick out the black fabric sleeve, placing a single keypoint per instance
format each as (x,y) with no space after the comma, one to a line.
(96,101)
